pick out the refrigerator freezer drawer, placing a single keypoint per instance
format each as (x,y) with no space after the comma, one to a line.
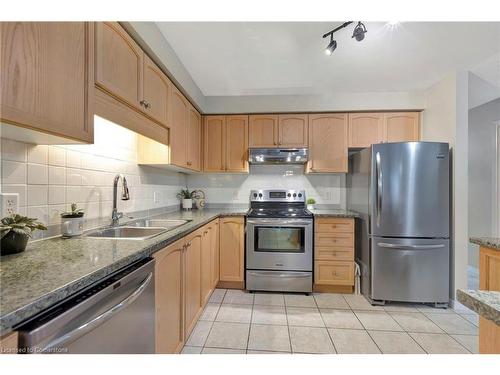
(410,270)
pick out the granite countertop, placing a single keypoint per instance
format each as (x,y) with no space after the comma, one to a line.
(491,242)
(333,213)
(52,269)
(485,303)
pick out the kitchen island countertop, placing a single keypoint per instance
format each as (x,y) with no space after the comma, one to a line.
(490,242)
(484,302)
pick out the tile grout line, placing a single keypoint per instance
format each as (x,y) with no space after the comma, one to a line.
(213,322)
(326,327)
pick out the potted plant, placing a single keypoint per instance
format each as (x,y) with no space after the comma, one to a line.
(72,222)
(310,203)
(186,197)
(15,231)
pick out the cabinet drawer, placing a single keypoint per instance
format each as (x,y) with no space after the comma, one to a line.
(333,272)
(335,239)
(334,253)
(335,225)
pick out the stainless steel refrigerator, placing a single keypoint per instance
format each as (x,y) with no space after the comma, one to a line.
(402,193)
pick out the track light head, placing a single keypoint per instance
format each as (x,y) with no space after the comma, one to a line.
(331,47)
(359,32)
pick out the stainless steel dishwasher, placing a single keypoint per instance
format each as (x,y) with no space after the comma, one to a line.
(115,315)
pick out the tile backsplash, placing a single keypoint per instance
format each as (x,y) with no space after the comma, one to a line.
(327,189)
(49,178)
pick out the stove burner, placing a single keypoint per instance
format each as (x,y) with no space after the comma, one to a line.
(278,204)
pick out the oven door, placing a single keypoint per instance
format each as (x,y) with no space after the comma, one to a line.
(279,244)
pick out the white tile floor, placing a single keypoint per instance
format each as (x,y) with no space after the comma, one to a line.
(236,322)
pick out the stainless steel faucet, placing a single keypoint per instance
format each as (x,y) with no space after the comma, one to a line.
(115,215)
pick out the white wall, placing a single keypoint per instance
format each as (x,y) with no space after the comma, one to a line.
(49,178)
(482,173)
(235,188)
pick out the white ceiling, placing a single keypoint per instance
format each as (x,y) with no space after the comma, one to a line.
(287,58)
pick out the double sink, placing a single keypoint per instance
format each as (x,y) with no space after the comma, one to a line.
(142,229)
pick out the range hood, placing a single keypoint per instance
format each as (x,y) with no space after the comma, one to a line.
(278,155)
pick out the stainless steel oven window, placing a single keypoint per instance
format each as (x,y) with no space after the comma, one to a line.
(279,239)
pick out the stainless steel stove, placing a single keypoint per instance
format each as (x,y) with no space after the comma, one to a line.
(279,254)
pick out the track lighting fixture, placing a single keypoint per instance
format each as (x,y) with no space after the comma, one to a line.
(358,33)
(331,46)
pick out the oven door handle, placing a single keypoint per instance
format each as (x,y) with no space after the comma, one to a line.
(281,222)
(280,275)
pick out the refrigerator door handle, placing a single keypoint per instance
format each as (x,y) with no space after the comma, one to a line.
(379,187)
(410,247)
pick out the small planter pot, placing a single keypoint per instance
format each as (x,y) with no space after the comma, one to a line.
(13,243)
(71,226)
(187,204)
(310,206)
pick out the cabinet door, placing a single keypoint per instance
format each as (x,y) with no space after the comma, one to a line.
(194,139)
(215,254)
(214,143)
(193,280)
(119,63)
(46,77)
(365,129)
(156,92)
(236,141)
(231,239)
(178,131)
(169,298)
(263,131)
(292,131)
(206,263)
(402,127)
(328,143)
(489,269)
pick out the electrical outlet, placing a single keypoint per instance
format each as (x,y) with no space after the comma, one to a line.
(9,203)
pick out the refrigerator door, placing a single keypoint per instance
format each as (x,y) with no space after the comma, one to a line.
(410,270)
(410,190)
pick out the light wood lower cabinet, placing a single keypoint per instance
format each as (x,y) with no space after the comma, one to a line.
(334,254)
(232,251)
(193,279)
(46,79)
(489,279)
(184,281)
(169,298)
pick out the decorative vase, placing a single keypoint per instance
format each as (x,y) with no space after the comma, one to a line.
(13,243)
(71,226)
(310,206)
(187,204)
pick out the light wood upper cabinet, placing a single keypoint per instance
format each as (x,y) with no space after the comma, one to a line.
(193,148)
(232,244)
(178,129)
(365,129)
(119,63)
(46,77)
(292,130)
(193,297)
(156,91)
(402,126)
(214,150)
(236,147)
(263,131)
(225,143)
(328,143)
(169,298)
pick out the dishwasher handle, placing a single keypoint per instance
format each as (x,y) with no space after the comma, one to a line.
(100,319)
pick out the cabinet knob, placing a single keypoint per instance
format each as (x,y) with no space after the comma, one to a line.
(145,104)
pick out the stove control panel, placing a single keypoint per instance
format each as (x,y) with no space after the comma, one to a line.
(277,195)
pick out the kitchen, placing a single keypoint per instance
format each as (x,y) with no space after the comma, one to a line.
(176,213)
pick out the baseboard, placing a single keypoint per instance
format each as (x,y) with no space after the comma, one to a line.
(231,285)
(345,289)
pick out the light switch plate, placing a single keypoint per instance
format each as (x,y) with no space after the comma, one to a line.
(9,203)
